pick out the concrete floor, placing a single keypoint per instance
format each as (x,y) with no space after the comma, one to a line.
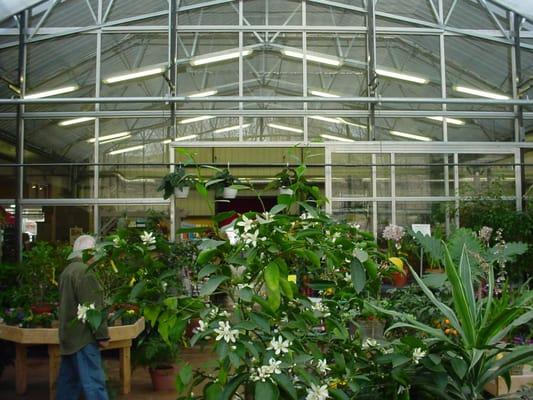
(141,386)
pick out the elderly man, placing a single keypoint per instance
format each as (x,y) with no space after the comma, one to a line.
(81,365)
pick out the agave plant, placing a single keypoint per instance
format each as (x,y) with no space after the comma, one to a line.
(477,355)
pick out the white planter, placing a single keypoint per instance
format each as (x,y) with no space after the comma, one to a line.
(229,193)
(285,190)
(182,193)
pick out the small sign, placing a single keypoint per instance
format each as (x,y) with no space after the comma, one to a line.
(424,229)
(291,278)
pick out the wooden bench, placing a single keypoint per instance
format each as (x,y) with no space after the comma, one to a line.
(120,338)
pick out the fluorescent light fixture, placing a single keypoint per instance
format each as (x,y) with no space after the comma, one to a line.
(53,92)
(188,137)
(231,128)
(320,59)
(75,121)
(115,139)
(167,141)
(337,138)
(322,94)
(204,94)
(134,75)
(127,149)
(109,137)
(399,75)
(351,123)
(195,119)
(480,93)
(216,57)
(285,128)
(410,136)
(326,119)
(448,120)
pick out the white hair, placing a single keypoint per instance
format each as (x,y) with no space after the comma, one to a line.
(84,242)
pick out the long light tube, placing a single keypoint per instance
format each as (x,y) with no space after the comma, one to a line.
(285,128)
(480,93)
(230,128)
(127,149)
(399,75)
(134,75)
(206,93)
(326,119)
(115,139)
(410,136)
(76,121)
(53,92)
(111,136)
(452,121)
(337,138)
(195,119)
(188,137)
(323,94)
(320,59)
(202,60)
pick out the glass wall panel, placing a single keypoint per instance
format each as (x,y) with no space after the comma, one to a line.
(215,14)
(71,70)
(417,212)
(480,130)
(420,175)
(346,78)
(8,182)
(327,128)
(409,66)
(466,76)
(138,181)
(72,13)
(274,129)
(527,185)
(133,65)
(133,216)
(408,129)
(384,216)
(479,173)
(356,212)
(351,181)
(526,63)
(122,9)
(333,15)
(211,128)
(9,71)
(273,12)
(60,181)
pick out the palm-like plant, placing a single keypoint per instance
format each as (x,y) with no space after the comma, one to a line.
(477,355)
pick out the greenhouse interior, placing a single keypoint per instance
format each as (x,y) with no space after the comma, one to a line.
(266,199)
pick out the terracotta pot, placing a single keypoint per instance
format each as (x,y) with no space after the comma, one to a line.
(42,308)
(400,280)
(163,378)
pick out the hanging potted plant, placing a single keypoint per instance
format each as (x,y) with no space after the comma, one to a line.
(225,183)
(285,179)
(177,183)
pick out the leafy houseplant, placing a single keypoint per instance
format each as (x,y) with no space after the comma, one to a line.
(224,183)
(177,182)
(285,179)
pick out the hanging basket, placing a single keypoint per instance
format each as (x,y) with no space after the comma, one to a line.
(182,193)
(286,190)
(229,193)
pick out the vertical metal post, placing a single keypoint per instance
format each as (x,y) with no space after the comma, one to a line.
(371,61)
(21,82)
(96,176)
(172,32)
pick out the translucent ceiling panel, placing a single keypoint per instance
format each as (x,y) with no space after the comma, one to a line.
(466,76)
(336,67)
(273,12)
(133,65)
(210,128)
(329,128)
(273,69)
(418,9)
(194,13)
(408,66)
(474,14)
(62,67)
(274,129)
(481,130)
(408,129)
(138,10)
(208,65)
(335,14)
(72,13)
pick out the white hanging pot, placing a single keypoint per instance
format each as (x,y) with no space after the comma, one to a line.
(286,190)
(182,193)
(229,193)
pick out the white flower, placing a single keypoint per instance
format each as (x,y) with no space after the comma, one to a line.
(306,216)
(323,366)
(82,311)
(237,272)
(252,238)
(485,233)
(202,326)
(241,286)
(402,389)
(317,392)
(368,343)
(116,242)
(279,346)
(266,218)
(274,366)
(246,223)
(388,351)
(418,354)
(347,277)
(321,308)
(393,232)
(148,238)
(225,332)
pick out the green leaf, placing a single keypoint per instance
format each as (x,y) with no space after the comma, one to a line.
(372,268)
(232,386)
(202,189)
(223,216)
(286,385)
(136,290)
(361,255)
(151,312)
(286,287)
(271,275)
(246,294)
(212,284)
(261,322)
(205,256)
(459,367)
(207,270)
(212,391)
(338,394)
(186,374)
(311,256)
(358,275)
(278,208)
(266,391)
(94,319)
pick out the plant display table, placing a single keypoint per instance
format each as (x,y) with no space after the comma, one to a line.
(499,388)
(120,338)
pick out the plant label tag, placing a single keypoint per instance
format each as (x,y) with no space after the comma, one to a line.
(424,229)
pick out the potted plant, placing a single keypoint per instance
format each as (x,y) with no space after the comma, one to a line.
(224,182)
(177,183)
(285,179)
(393,234)
(160,357)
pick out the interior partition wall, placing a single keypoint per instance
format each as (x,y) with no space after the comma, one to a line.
(138,75)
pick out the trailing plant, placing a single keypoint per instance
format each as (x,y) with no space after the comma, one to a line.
(178,179)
